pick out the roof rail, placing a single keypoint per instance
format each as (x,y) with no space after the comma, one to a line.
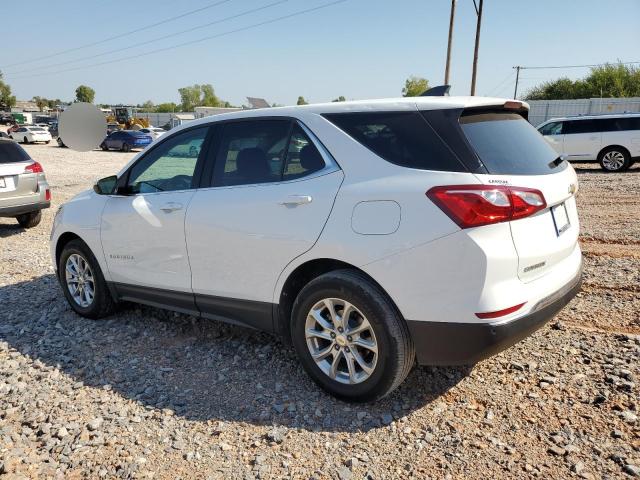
(439,91)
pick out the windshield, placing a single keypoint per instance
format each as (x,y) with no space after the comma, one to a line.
(507,144)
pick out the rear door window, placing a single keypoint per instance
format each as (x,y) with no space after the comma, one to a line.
(580,126)
(630,123)
(507,144)
(11,152)
(401,138)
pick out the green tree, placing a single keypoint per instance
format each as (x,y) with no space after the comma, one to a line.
(189,97)
(301,101)
(41,102)
(339,99)
(209,98)
(415,86)
(85,94)
(148,106)
(608,80)
(167,107)
(6,99)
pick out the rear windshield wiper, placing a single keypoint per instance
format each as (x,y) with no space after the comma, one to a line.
(557,162)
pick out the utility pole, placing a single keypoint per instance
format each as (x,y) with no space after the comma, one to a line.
(515,91)
(453,14)
(475,52)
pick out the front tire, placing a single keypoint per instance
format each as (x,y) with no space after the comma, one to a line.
(361,357)
(614,159)
(25,140)
(60,143)
(126,147)
(29,220)
(82,281)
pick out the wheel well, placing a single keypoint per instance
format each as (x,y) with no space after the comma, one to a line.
(296,281)
(62,241)
(608,147)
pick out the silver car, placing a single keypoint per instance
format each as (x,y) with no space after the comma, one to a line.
(24,190)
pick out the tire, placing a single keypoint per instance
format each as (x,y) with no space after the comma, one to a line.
(104,147)
(126,147)
(60,143)
(101,304)
(48,142)
(386,330)
(614,159)
(29,220)
(25,140)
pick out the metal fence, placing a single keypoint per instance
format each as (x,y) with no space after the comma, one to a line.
(543,110)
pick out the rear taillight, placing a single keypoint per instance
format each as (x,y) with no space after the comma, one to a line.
(35,167)
(500,313)
(47,195)
(477,205)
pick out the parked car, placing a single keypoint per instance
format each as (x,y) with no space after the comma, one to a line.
(113,127)
(6,119)
(53,129)
(24,191)
(42,125)
(154,132)
(611,140)
(125,140)
(31,134)
(443,229)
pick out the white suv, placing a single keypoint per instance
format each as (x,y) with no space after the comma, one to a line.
(368,234)
(612,140)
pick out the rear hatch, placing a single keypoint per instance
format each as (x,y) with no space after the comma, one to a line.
(13,180)
(514,154)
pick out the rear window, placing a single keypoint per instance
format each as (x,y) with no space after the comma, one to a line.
(401,138)
(507,144)
(11,152)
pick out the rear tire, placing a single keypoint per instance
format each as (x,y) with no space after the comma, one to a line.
(126,147)
(29,220)
(366,365)
(104,147)
(25,140)
(60,143)
(614,159)
(101,303)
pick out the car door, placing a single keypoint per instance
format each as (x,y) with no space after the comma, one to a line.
(112,140)
(272,191)
(582,139)
(142,228)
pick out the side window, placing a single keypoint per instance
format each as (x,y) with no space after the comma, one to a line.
(303,157)
(606,125)
(580,126)
(170,166)
(251,152)
(401,138)
(554,128)
(628,123)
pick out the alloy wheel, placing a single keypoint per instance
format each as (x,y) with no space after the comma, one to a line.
(613,160)
(80,280)
(341,341)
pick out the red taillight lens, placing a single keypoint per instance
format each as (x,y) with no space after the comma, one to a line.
(47,195)
(35,167)
(500,313)
(477,205)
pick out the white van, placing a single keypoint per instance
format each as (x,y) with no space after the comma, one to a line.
(612,140)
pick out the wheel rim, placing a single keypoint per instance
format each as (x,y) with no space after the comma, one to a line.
(341,341)
(80,281)
(613,160)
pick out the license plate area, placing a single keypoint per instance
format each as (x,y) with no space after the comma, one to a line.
(560,218)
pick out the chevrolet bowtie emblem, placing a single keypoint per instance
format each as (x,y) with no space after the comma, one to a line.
(572,188)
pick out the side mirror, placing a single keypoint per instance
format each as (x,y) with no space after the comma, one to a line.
(106,185)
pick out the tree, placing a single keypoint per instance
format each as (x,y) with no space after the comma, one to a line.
(167,107)
(415,86)
(608,80)
(301,101)
(85,94)
(199,96)
(41,102)
(209,98)
(339,99)
(6,99)
(148,106)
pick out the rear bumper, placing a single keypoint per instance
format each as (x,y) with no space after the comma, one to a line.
(21,209)
(449,343)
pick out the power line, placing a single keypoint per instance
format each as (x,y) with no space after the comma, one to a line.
(499,85)
(164,37)
(203,39)
(575,66)
(115,37)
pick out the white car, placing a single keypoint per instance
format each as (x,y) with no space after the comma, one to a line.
(28,134)
(443,229)
(612,140)
(154,132)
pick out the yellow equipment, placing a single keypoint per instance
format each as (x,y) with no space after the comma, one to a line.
(125,117)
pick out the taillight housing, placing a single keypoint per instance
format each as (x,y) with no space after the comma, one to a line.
(477,205)
(35,167)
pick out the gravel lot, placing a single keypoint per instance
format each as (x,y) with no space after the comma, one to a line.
(151,394)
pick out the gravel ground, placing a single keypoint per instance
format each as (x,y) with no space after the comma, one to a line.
(152,394)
